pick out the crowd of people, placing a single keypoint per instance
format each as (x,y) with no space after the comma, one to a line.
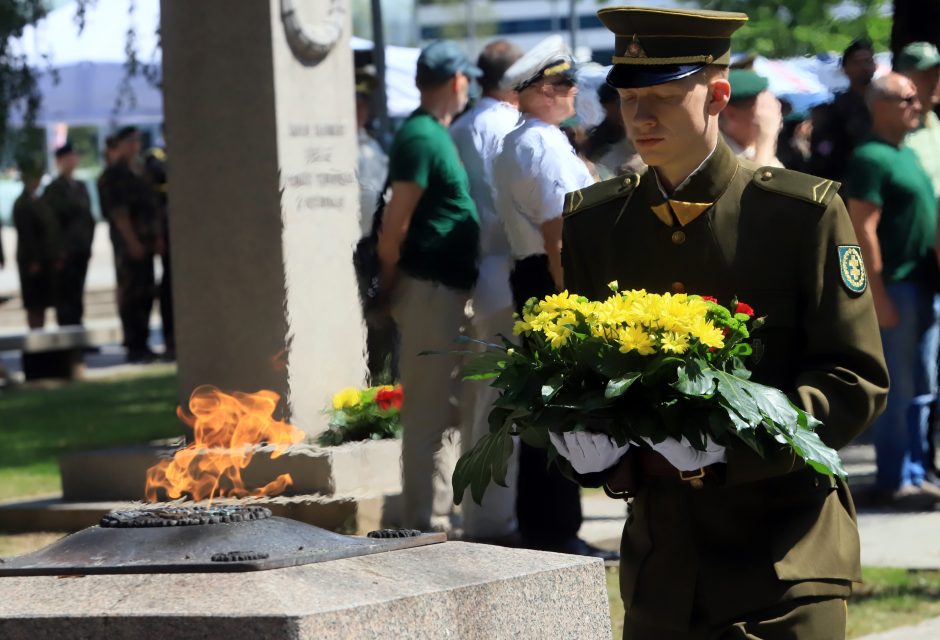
(55,230)
(472,227)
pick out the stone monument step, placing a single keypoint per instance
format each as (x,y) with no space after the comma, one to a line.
(447,590)
(352,514)
(120,474)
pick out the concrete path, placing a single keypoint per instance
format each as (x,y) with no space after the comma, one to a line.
(889,539)
(926,630)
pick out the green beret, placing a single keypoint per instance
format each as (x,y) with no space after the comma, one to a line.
(745,84)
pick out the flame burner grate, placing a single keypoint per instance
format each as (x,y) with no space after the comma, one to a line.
(227,538)
(183,516)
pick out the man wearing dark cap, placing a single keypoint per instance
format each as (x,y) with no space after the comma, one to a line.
(751,121)
(479,134)
(846,122)
(69,201)
(128,204)
(723,542)
(428,249)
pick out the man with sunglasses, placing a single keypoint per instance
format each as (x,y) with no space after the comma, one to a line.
(894,210)
(535,169)
(726,542)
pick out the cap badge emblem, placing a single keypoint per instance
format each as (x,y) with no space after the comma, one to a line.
(634,50)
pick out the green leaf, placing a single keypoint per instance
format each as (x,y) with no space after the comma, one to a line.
(483,365)
(550,389)
(618,386)
(487,461)
(693,381)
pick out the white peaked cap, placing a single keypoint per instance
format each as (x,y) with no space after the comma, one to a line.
(550,52)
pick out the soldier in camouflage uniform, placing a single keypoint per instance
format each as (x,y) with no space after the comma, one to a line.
(128,204)
(68,199)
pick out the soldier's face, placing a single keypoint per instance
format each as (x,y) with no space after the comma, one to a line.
(669,121)
(67,162)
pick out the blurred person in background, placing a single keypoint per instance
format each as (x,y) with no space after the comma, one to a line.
(428,249)
(535,169)
(39,255)
(894,211)
(155,173)
(69,200)
(372,174)
(479,135)
(793,143)
(372,161)
(751,121)
(128,205)
(607,144)
(920,61)
(845,122)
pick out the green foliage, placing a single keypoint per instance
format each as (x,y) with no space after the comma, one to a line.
(18,81)
(40,424)
(782,28)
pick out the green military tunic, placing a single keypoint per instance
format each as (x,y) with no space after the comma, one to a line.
(767,530)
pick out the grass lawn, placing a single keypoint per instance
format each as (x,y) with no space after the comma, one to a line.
(888,598)
(38,424)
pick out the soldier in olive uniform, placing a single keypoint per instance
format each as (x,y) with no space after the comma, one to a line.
(724,543)
(128,204)
(155,172)
(68,199)
(38,247)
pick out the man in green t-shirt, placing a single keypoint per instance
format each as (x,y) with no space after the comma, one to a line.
(894,211)
(428,249)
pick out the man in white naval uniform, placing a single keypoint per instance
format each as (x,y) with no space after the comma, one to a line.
(479,135)
(532,174)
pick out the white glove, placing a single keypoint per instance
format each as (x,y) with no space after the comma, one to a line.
(684,457)
(588,452)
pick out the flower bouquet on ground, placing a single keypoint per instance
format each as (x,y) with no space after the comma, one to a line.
(640,367)
(363,414)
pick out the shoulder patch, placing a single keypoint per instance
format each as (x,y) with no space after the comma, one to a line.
(852,268)
(801,186)
(611,189)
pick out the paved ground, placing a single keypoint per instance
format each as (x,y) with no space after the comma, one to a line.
(926,630)
(889,539)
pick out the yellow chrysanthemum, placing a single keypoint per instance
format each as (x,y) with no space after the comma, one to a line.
(677,343)
(346,398)
(635,339)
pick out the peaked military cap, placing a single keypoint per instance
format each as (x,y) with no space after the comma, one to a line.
(550,57)
(655,45)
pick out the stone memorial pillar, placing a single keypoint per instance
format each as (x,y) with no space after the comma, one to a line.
(261,133)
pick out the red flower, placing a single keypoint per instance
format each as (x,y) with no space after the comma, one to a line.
(744,308)
(387,398)
(710,299)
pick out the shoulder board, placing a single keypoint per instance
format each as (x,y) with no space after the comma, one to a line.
(611,189)
(801,186)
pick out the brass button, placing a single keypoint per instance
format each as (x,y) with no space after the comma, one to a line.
(678,237)
(627,182)
(678,287)
(766,175)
